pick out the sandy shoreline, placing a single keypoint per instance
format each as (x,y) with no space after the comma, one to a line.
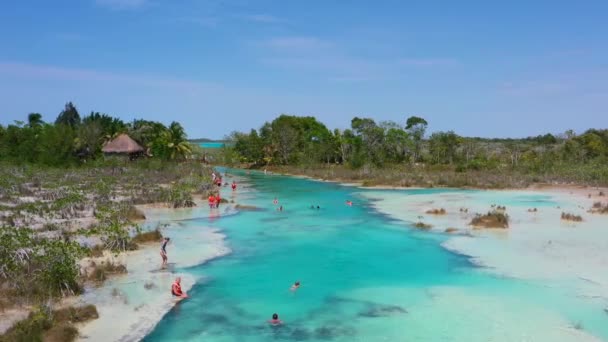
(533,187)
(537,246)
(131,305)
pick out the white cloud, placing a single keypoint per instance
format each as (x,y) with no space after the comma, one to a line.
(299,43)
(263,18)
(122,4)
(211,22)
(45,72)
(311,54)
(427,62)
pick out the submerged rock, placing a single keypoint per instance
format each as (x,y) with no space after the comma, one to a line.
(383,311)
(245,207)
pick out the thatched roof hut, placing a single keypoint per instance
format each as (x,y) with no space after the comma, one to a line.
(122,144)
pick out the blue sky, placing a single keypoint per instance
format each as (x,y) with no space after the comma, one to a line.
(481,68)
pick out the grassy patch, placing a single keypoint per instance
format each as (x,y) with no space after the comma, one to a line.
(50,326)
(102,271)
(493,219)
(147,237)
(436,211)
(422,225)
(571,217)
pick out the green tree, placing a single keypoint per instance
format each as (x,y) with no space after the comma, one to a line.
(34,120)
(416,127)
(372,139)
(69,116)
(173,142)
(443,146)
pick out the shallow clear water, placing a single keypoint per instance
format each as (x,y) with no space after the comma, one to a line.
(364,278)
(211,144)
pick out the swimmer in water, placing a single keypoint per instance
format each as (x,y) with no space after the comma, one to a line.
(295,286)
(275,320)
(233,185)
(276,201)
(349,203)
(280,208)
(163,251)
(176,288)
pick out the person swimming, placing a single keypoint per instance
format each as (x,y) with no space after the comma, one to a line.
(163,251)
(349,203)
(275,320)
(280,208)
(276,201)
(295,286)
(176,288)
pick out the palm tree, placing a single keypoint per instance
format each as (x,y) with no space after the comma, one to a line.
(177,141)
(34,119)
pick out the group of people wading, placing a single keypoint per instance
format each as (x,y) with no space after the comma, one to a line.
(214,203)
(214,200)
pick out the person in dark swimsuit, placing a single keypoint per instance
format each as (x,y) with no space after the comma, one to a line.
(163,251)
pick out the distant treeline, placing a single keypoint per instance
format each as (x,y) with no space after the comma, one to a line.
(293,140)
(72,139)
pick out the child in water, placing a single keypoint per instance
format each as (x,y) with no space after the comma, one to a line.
(295,286)
(275,320)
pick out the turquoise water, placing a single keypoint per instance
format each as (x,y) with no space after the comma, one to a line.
(364,278)
(211,144)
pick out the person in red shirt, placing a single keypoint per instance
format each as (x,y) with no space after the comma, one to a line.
(211,201)
(176,288)
(218,200)
(233,186)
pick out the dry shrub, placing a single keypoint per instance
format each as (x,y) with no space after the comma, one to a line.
(50,326)
(422,225)
(76,314)
(96,251)
(436,211)
(451,230)
(571,217)
(101,272)
(60,333)
(599,208)
(134,214)
(147,237)
(493,219)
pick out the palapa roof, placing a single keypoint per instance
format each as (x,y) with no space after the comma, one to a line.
(122,144)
